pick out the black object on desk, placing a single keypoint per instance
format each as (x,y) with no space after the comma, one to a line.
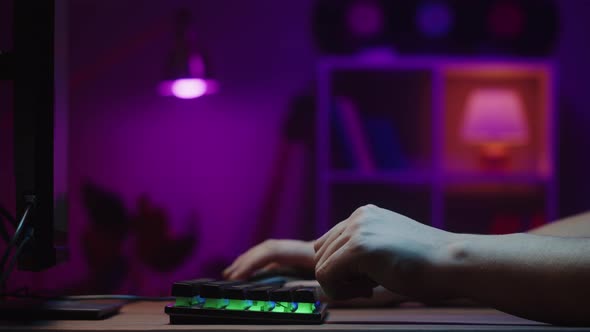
(229,302)
(34,309)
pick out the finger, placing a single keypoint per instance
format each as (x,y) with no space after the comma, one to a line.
(252,261)
(339,276)
(329,248)
(333,236)
(321,245)
(228,270)
(271,266)
(282,252)
(226,273)
(251,254)
(338,228)
(334,230)
(231,267)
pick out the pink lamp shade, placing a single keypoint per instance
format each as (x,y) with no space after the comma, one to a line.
(495,116)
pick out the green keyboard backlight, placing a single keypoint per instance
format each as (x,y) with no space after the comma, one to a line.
(215,303)
(259,306)
(239,305)
(306,308)
(221,304)
(184,301)
(210,301)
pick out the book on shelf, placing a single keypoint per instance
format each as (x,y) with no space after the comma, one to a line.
(363,141)
(384,143)
(352,136)
(341,146)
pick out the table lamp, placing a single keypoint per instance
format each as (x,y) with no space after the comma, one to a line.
(494,120)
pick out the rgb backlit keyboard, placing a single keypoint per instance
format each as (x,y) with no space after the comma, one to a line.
(207,301)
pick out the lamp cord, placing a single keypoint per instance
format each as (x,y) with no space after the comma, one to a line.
(3,232)
(17,234)
(7,215)
(10,267)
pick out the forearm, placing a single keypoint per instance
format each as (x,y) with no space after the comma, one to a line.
(574,226)
(537,277)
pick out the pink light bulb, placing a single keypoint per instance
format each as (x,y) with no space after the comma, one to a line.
(189,88)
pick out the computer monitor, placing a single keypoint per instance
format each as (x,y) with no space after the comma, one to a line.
(41,128)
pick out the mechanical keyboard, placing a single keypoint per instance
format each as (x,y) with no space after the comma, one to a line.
(270,301)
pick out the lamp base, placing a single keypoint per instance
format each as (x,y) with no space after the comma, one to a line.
(494,157)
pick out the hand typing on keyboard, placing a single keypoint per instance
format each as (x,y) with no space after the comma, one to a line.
(372,247)
(375,246)
(272,254)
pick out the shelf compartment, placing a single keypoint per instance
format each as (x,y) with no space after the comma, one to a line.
(531,84)
(393,110)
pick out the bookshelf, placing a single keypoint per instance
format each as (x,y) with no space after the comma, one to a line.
(392,133)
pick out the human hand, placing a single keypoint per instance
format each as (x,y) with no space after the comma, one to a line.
(375,246)
(272,254)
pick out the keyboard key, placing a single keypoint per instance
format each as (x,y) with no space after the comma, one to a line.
(237,292)
(188,288)
(236,296)
(282,294)
(212,294)
(214,289)
(261,293)
(282,300)
(187,292)
(305,295)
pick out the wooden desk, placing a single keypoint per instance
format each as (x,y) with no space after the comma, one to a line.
(149,316)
